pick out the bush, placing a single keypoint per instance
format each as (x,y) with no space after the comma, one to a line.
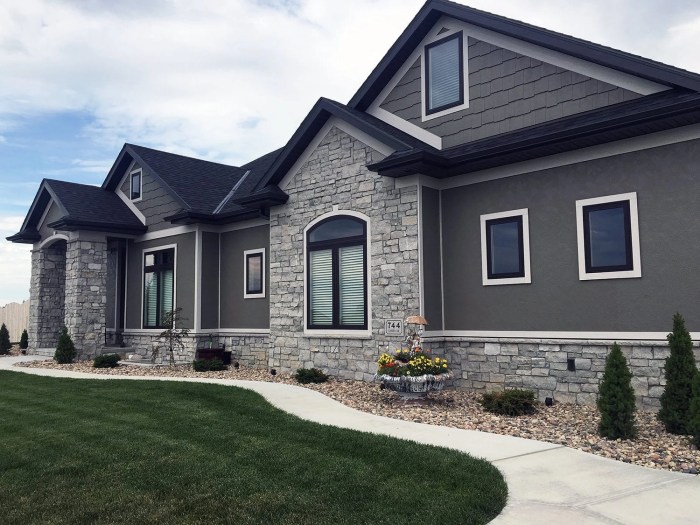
(24,340)
(680,370)
(106,361)
(616,398)
(694,413)
(4,340)
(208,365)
(310,375)
(514,402)
(65,349)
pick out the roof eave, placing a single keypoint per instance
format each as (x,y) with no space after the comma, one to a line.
(24,237)
(189,217)
(69,224)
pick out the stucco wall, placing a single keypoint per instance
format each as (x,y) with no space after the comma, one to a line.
(210,280)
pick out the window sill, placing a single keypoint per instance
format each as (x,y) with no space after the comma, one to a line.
(339,334)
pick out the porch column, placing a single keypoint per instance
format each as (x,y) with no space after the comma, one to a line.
(86,293)
(46,297)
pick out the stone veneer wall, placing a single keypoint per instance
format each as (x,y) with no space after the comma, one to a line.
(335,175)
(482,365)
(86,295)
(46,303)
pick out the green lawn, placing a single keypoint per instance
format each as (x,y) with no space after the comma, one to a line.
(98,451)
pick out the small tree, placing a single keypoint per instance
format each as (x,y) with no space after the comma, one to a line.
(694,413)
(24,340)
(616,398)
(173,336)
(5,345)
(65,349)
(680,370)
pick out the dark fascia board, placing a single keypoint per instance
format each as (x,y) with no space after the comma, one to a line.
(268,196)
(307,130)
(25,237)
(441,165)
(434,9)
(43,197)
(68,224)
(191,217)
(124,159)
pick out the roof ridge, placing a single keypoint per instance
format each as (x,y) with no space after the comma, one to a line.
(182,156)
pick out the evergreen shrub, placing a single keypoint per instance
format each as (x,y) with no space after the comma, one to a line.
(24,340)
(5,344)
(616,398)
(106,361)
(513,402)
(680,370)
(65,349)
(310,375)
(208,365)
(694,412)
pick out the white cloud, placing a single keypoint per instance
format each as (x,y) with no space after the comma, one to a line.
(15,262)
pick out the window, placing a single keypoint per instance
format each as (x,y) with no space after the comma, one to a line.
(337,274)
(505,248)
(444,72)
(254,274)
(136,184)
(158,287)
(608,237)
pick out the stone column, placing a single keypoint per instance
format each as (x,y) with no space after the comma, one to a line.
(86,294)
(46,300)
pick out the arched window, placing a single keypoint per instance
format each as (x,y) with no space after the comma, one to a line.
(336,263)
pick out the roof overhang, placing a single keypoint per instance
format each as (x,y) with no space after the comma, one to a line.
(191,217)
(68,224)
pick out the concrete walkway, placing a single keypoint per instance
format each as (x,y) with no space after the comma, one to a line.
(547,483)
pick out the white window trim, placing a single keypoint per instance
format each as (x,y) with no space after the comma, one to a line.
(246,253)
(636,270)
(145,252)
(345,334)
(526,279)
(131,184)
(465,73)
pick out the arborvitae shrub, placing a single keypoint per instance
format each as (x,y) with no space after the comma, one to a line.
(4,340)
(513,402)
(24,340)
(694,412)
(310,375)
(208,365)
(680,370)
(616,398)
(65,350)
(106,361)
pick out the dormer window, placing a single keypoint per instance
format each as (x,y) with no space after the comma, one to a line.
(444,74)
(136,184)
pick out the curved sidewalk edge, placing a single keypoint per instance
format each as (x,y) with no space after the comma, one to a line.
(547,483)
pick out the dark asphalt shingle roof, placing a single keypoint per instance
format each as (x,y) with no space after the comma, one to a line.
(83,202)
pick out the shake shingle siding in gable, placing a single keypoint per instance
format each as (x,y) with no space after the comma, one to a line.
(507,91)
(156,203)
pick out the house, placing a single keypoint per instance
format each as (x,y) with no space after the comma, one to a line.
(533,195)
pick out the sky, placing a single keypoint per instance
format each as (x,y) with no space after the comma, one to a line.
(224,80)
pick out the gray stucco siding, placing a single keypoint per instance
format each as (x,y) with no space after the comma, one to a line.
(666,182)
(210,280)
(506,91)
(184,277)
(432,270)
(52,215)
(237,311)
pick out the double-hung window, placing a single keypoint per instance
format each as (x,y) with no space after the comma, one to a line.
(337,274)
(254,274)
(505,248)
(158,287)
(135,184)
(444,74)
(608,237)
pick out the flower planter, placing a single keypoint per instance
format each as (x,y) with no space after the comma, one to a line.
(413,387)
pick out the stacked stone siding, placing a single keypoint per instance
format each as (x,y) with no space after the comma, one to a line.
(335,175)
(86,295)
(483,365)
(46,304)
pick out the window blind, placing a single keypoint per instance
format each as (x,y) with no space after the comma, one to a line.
(444,74)
(321,293)
(149,313)
(166,293)
(352,285)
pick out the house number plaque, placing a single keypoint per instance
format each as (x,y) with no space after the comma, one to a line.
(393,327)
